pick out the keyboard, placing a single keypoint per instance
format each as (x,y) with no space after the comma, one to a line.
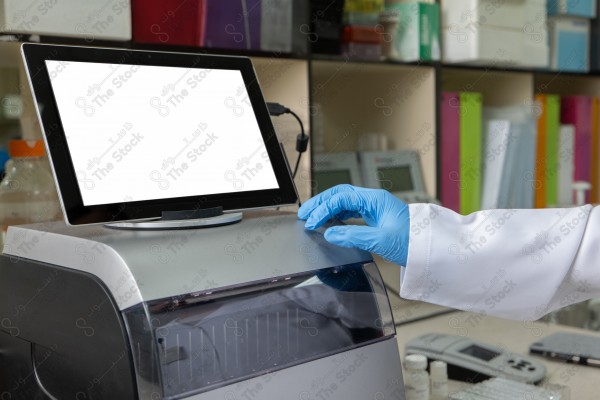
(504,389)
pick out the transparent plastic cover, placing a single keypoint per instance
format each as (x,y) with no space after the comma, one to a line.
(190,344)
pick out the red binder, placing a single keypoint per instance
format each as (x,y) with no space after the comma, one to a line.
(450,151)
(577,111)
(169,21)
(595,158)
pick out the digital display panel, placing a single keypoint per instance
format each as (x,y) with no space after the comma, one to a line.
(132,134)
(395,179)
(327,179)
(144,132)
(480,352)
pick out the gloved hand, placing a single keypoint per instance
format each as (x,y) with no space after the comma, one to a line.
(387,218)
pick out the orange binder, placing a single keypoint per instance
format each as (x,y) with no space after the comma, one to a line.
(540,154)
(595,162)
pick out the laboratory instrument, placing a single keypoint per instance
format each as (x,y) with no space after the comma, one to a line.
(474,361)
(330,169)
(571,347)
(398,171)
(262,309)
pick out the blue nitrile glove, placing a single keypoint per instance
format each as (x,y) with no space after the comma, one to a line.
(387,218)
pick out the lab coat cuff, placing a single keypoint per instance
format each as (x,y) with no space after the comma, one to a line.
(415,278)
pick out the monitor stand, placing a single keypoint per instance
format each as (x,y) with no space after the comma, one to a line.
(188,219)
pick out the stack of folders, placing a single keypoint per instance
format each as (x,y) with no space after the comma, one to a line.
(460,139)
(517,157)
(567,150)
(508,164)
(273,25)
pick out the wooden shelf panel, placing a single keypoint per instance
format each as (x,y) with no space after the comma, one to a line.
(359,98)
(498,88)
(567,84)
(10,54)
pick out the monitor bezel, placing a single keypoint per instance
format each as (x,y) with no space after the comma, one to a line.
(75,212)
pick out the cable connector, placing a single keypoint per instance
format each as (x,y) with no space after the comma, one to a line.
(301,142)
(276,109)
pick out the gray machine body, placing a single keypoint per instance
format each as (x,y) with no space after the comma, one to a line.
(308,334)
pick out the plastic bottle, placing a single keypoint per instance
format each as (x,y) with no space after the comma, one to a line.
(416,378)
(27,192)
(439,380)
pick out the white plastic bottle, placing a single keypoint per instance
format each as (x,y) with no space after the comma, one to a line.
(27,192)
(439,380)
(416,378)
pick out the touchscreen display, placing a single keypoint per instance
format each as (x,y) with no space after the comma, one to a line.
(329,179)
(139,132)
(480,352)
(396,179)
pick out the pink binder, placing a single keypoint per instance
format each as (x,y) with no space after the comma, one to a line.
(577,111)
(450,151)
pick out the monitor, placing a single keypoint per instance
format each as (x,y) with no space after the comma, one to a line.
(331,169)
(132,134)
(398,171)
(396,179)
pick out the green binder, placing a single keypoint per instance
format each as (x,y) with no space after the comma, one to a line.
(552,139)
(470,152)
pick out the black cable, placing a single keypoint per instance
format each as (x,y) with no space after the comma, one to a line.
(428,316)
(276,109)
(301,143)
(299,121)
(296,166)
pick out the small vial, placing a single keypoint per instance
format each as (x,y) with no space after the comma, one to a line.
(439,380)
(416,378)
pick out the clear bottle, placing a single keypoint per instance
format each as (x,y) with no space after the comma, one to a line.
(27,192)
(416,378)
(439,380)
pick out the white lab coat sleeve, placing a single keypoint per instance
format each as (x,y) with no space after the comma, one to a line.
(517,264)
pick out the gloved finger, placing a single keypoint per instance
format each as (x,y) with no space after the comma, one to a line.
(362,237)
(391,246)
(331,208)
(307,207)
(348,214)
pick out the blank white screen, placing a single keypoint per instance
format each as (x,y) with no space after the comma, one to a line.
(151,132)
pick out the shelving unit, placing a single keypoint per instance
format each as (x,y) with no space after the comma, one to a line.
(397,100)
(351,97)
